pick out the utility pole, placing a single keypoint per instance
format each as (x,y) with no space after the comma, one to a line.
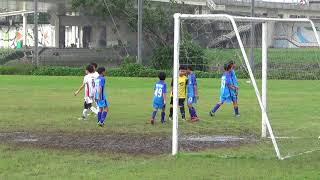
(140,31)
(252,38)
(35,52)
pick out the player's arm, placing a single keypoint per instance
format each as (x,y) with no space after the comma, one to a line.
(100,93)
(80,89)
(196,88)
(164,94)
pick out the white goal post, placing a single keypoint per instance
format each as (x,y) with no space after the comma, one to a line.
(261,97)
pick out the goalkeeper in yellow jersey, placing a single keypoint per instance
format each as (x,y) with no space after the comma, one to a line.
(182,92)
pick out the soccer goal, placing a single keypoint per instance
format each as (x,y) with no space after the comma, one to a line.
(278,82)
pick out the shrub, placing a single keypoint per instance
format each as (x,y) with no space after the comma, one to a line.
(190,53)
(9,54)
(21,69)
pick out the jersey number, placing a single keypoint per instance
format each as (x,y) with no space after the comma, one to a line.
(93,83)
(158,92)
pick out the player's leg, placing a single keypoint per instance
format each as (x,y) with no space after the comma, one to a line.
(154,114)
(95,110)
(104,114)
(192,110)
(86,107)
(100,104)
(163,114)
(171,109)
(236,107)
(215,108)
(182,109)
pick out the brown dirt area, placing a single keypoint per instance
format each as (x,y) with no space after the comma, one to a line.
(120,143)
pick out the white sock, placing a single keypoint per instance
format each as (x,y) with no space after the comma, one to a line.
(94,110)
(85,113)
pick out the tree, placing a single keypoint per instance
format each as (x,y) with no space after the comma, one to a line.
(157,19)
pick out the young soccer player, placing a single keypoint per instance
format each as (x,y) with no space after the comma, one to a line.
(88,84)
(101,97)
(159,98)
(182,89)
(192,94)
(228,92)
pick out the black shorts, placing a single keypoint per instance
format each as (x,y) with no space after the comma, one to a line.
(181,101)
(87,105)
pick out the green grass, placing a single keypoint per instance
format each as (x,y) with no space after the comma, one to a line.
(47,104)
(275,56)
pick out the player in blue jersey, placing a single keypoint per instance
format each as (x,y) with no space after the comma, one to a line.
(101,96)
(159,98)
(192,93)
(228,91)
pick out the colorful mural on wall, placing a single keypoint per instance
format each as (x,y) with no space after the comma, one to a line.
(294,35)
(12,36)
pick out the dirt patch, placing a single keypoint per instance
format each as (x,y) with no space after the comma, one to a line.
(120,143)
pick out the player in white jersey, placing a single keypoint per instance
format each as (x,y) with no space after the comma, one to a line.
(89,91)
(96,75)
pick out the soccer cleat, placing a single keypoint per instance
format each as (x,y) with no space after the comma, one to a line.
(212,114)
(82,118)
(152,121)
(184,119)
(237,115)
(163,121)
(100,124)
(170,118)
(195,119)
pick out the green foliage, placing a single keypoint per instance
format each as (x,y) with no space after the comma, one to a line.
(57,71)
(9,54)
(20,69)
(163,57)
(157,20)
(190,54)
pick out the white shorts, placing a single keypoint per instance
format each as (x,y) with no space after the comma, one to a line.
(88,100)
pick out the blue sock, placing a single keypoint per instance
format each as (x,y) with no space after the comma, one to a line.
(163,115)
(154,113)
(214,110)
(194,112)
(236,110)
(99,116)
(103,116)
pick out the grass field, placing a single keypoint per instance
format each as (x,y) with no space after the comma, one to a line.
(47,105)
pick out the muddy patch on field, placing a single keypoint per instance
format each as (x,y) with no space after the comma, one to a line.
(120,143)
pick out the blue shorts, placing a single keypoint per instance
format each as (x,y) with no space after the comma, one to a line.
(228,99)
(192,100)
(102,103)
(158,105)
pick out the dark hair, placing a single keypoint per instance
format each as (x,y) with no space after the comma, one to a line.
(231,62)
(227,67)
(90,68)
(95,65)
(182,67)
(162,76)
(101,70)
(190,68)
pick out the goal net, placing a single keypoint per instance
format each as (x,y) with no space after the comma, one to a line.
(277,68)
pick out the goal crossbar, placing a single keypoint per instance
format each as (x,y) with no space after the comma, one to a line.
(232,19)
